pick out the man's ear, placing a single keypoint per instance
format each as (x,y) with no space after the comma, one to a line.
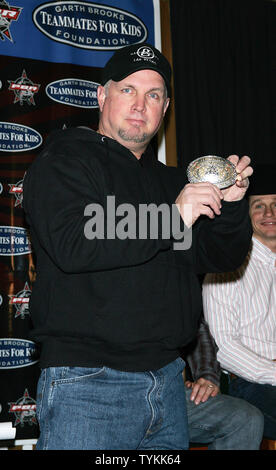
(166,105)
(101,96)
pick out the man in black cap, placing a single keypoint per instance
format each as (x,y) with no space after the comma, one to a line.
(240,306)
(114,301)
(143,74)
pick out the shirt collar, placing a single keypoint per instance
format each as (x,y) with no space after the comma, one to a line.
(262,252)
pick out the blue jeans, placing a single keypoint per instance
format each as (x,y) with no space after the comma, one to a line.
(224,423)
(263,396)
(106,409)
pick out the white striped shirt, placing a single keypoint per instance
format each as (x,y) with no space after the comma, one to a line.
(240,308)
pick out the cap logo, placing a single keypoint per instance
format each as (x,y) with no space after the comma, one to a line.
(145,53)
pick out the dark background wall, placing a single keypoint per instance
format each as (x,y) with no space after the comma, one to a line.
(224,78)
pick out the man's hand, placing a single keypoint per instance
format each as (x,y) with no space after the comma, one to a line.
(197,199)
(202,389)
(237,191)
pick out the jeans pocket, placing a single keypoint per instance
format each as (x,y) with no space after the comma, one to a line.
(67,375)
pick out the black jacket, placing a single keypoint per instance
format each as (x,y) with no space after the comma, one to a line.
(201,356)
(128,304)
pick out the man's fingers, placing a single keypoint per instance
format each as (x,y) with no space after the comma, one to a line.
(203,187)
(242,164)
(201,193)
(206,210)
(243,168)
(200,393)
(196,388)
(203,198)
(233,159)
(202,390)
(188,383)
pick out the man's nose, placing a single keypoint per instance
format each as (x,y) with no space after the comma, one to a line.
(269,210)
(139,103)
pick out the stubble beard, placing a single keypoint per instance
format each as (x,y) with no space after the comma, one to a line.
(137,139)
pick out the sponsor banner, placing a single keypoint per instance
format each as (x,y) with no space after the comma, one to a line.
(79,32)
(74,92)
(52,52)
(18,138)
(24,89)
(16,353)
(16,189)
(24,410)
(20,301)
(14,241)
(8,14)
(89,25)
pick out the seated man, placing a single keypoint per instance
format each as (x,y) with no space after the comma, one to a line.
(240,307)
(221,421)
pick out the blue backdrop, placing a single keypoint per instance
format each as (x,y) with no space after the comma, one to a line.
(52,54)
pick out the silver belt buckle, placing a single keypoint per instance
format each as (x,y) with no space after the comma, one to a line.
(212,169)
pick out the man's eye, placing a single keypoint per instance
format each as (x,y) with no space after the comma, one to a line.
(126,90)
(155,96)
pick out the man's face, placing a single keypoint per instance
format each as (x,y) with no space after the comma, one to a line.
(262,210)
(132,109)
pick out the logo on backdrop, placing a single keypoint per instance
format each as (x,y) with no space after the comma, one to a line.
(74,92)
(16,353)
(7,15)
(89,25)
(24,410)
(21,302)
(14,241)
(17,190)
(18,138)
(24,89)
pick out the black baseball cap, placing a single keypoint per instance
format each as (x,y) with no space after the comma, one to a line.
(263,180)
(130,59)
